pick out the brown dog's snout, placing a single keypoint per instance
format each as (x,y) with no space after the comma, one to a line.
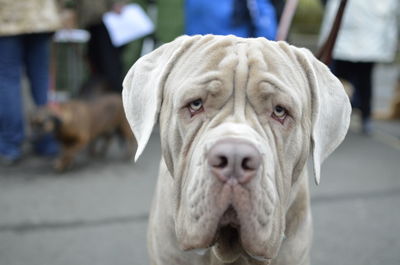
(234,161)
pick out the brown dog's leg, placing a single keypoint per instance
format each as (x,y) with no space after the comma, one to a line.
(92,148)
(106,139)
(68,154)
(99,146)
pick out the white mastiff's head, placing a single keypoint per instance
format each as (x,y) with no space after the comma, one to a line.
(239,119)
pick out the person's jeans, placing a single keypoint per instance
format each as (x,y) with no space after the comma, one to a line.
(29,52)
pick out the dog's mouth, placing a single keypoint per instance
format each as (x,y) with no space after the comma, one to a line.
(227,246)
(232,222)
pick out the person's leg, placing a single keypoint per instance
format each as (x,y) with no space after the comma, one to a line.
(105,59)
(361,76)
(93,49)
(338,68)
(365,94)
(11,118)
(37,61)
(346,70)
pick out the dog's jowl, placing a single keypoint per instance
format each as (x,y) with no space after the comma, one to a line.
(239,119)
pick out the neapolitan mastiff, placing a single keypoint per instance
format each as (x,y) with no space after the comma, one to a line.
(239,119)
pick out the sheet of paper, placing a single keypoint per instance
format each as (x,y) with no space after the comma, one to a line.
(71,35)
(131,24)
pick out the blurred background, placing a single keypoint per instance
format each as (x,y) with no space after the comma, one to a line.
(95,210)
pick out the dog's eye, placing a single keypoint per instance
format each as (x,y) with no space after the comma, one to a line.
(279,113)
(195,107)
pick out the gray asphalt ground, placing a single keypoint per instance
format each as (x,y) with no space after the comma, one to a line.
(97,212)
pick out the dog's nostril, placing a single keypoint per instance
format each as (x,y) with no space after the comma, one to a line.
(246,164)
(250,163)
(219,161)
(223,162)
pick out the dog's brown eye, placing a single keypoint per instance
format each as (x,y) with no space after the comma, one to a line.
(279,113)
(195,107)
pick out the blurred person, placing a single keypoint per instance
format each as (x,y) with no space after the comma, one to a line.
(104,58)
(368,35)
(25,36)
(243,18)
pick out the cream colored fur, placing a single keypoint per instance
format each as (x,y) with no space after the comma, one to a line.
(240,81)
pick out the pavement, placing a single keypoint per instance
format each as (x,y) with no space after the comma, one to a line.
(97,212)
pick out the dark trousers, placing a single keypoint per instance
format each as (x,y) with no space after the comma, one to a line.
(31,53)
(105,59)
(359,74)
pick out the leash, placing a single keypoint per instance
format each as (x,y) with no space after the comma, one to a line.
(325,52)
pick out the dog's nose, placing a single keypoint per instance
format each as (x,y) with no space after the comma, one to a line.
(234,161)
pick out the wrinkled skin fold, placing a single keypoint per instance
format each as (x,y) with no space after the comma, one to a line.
(274,99)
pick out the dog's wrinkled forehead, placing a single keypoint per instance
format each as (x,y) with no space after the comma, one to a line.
(237,63)
(209,55)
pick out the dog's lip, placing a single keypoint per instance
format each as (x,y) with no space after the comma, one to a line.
(200,251)
(264,259)
(228,219)
(233,239)
(232,213)
(203,251)
(230,223)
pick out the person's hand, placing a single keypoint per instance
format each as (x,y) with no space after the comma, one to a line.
(68,18)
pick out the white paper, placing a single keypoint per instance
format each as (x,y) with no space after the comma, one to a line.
(71,35)
(131,24)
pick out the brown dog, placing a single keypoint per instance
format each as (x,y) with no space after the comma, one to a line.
(78,124)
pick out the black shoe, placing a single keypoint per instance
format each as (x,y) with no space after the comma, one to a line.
(9,160)
(366,127)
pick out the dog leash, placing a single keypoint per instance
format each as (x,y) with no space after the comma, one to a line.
(324,54)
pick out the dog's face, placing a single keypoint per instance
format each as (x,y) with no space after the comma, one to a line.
(43,121)
(238,121)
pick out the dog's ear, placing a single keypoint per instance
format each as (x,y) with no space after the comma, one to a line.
(330,107)
(143,88)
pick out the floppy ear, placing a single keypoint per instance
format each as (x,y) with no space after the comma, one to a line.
(331,110)
(143,86)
